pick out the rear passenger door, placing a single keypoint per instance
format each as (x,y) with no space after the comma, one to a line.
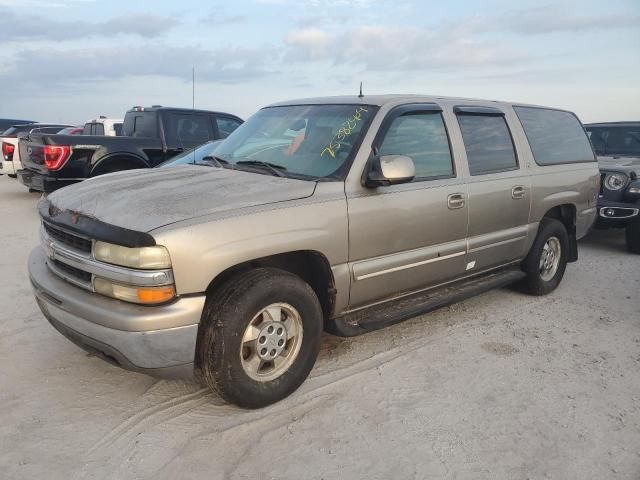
(498,188)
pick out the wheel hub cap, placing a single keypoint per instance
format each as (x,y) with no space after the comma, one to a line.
(271,342)
(550,258)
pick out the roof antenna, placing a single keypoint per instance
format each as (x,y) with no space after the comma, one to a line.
(361,95)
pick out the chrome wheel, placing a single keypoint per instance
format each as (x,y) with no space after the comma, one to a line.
(271,342)
(550,258)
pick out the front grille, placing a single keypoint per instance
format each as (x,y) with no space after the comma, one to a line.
(74,241)
(602,177)
(73,271)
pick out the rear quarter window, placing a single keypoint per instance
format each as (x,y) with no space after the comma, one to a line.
(140,125)
(555,136)
(488,143)
(187,129)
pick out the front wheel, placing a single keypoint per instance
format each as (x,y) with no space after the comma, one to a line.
(547,260)
(632,236)
(260,337)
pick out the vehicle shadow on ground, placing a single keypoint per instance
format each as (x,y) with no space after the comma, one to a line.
(611,240)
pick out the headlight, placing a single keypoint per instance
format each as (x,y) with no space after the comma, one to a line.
(615,181)
(145,258)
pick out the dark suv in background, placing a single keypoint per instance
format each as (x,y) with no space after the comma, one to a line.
(151,135)
(617,145)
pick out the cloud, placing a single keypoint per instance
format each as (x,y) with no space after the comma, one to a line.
(551,19)
(217,18)
(311,43)
(15,27)
(64,67)
(468,42)
(320,3)
(382,48)
(42,3)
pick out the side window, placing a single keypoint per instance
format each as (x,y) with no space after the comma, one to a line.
(423,137)
(98,129)
(488,143)
(87,129)
(140,125)
(188,129)
(117,127)
(555,136)
(227,125)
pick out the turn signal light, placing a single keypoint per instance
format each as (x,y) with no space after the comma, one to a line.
(7,151)
(134,294)
(155,295)
(55,156)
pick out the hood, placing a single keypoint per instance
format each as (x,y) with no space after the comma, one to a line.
(624,164)
(143,200)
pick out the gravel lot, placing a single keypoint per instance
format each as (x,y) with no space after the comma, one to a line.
(502,386)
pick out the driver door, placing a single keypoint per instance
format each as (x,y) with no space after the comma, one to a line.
(408,237)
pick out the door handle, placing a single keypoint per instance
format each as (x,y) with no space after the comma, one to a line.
(455,201)
(517,192)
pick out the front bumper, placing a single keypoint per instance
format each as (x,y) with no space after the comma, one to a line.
(616,214)
(42,183)
(159,340)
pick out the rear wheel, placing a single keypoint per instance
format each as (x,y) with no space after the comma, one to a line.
(632,236)
(260,337)
(547,260)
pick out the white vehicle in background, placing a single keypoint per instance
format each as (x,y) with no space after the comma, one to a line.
(9,143)
(109,127)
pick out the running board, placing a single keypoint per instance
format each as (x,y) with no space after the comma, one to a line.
(396,311)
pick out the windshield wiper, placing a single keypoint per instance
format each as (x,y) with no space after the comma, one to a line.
(277,170)
(219,162)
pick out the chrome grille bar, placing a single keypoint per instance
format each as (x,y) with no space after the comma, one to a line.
(85,262)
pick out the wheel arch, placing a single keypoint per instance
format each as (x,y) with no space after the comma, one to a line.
(115,158)
(310,265)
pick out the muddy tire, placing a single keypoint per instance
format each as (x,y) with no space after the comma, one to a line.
(260,337)
(632,236)
(547,260)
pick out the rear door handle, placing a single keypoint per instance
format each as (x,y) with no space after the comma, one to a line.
(517,192)
(455,201)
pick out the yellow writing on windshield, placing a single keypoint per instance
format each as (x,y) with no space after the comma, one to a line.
(347,127)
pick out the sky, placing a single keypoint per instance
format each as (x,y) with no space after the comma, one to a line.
(72,60)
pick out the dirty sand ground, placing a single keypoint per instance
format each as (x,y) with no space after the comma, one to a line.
(502,386)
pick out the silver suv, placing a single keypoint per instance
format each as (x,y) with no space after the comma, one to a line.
(346,214)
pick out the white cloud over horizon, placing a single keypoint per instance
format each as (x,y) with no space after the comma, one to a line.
(274,49)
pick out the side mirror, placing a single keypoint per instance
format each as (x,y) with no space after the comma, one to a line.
(390,170)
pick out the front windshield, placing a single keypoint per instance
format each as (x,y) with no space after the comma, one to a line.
(301,141)
(194,156)
(615,140)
